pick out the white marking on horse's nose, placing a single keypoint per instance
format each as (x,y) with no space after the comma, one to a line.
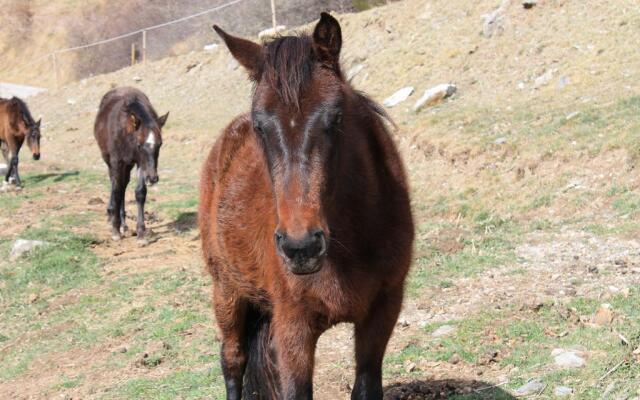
(151,139)
(292,123)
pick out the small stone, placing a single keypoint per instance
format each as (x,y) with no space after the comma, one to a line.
(562,391)
(455,359)
(137,79)
(22,246)
(563,81)
(532,387)
(572,115)
(569,359)
(444,330)
(210,47)
(410,366)
(543,79)
(398,97)
(500,140)
(33,297)
(529,4)
(435,95)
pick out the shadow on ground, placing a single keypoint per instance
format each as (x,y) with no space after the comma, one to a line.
(57,177)
(445,389)
(185,221)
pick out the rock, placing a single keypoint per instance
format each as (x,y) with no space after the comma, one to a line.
(532,387)
(435,95)
(493,22)
(33,297)
(444,330)
(603,315)
(543,79)
(562,391)
(572,115)
(567,359)
(137,79)
(353,71)
(22,246)
(271,32)
(563,81)
(500,140)
(398,97)
(95,201)
(529,4)
(455,359)
(211,47)
(410,366)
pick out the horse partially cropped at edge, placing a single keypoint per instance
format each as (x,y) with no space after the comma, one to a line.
(305,220)
(16,125)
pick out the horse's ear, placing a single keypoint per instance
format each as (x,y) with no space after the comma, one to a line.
(133,123)
(163,120)
(38,123)
(248,53)
(327,40)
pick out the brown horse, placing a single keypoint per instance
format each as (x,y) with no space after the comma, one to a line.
(129,132)
(305,220)
(16,125)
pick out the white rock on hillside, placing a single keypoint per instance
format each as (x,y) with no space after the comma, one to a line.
(435,94)
(398,97)
(22,246)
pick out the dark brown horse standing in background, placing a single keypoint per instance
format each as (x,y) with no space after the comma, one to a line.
(129,132)
(16,125)
(305,220)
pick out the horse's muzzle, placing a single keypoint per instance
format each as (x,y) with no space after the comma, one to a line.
(152,180)
(36,156)
(302,256)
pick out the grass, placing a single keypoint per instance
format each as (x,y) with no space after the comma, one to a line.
(525,339)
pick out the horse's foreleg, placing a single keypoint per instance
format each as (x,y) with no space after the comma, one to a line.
(141,197)
(372,336)
(119,187)
(16,175)
(123,215)
(112,198)
(230,314)
(296,345)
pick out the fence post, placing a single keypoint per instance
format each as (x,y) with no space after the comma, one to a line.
(144,46)
(273,13)
(55,69)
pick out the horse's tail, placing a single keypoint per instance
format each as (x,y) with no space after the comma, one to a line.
(261,378)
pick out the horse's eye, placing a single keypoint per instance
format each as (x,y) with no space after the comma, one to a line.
(258,128)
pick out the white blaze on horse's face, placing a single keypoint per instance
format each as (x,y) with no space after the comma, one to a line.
(151,139)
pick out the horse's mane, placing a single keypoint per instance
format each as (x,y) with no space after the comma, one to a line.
(141,110)
(23,109)
(288,66)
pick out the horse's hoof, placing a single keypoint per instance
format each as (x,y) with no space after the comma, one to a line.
(124,229)
(142,242)
(116,237)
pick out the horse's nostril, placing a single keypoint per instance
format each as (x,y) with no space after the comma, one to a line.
(36,156)
(312,245)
